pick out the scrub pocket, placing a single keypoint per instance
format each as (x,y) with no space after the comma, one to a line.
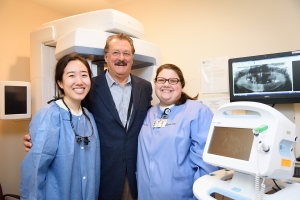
(183,187)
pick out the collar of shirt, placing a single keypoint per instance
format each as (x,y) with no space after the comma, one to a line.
(162,108)
(61,104)
(111,81)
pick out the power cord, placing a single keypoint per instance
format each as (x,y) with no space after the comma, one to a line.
(276,184)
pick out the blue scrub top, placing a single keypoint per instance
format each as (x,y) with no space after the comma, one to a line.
(170,158)
(57,167)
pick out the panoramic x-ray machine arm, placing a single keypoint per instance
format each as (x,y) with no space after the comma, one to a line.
(85,34)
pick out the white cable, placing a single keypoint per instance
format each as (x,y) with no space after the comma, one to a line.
(256,182)
(262,190)
(257,187)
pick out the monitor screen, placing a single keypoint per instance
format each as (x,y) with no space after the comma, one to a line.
(270,78)
(15,100)
(231,142)
(260,143)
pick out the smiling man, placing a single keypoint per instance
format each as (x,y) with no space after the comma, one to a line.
(119,102)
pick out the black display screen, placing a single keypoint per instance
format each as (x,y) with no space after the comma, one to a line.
(15,100)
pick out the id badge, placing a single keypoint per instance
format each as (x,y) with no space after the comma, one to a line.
(156,123)
(163,122)
(159,123)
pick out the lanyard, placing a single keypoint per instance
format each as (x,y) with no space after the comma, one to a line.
(129,109)
(165,113)
(160,123)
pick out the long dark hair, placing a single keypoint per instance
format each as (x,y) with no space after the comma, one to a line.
(177,70)
(59,71)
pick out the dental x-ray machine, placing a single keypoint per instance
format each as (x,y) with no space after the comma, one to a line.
(85,34)
(256,152)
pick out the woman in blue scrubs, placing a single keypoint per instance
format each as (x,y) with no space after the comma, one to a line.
(172,140)
(63,162)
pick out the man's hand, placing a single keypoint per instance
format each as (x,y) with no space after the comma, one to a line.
(27,143)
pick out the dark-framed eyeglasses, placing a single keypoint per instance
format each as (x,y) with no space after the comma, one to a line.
(172,81)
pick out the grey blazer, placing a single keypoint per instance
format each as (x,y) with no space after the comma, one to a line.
(118,146)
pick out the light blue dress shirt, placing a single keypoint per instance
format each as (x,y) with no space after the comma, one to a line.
(57,167)
(170,158)
(121,96)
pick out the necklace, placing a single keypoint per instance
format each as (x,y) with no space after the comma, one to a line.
(78,137)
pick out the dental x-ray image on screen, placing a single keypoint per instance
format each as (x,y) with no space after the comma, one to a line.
(270,78)
(273,77)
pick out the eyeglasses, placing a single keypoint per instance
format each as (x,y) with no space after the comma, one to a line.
(118,54)
(172,81)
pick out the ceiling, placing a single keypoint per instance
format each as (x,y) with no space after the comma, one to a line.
(72,7)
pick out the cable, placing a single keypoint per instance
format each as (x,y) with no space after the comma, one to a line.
(274,189)
(257,175)
(262,190)
(256,186)
(276,184)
